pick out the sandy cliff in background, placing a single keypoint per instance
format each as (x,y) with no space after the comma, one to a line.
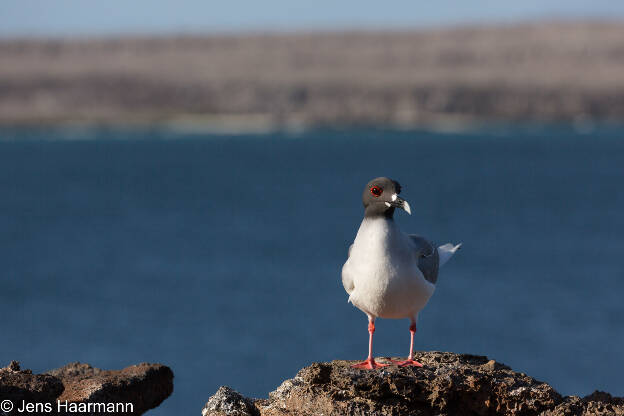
(546,72)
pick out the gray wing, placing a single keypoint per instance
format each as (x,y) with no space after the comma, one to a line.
(428,258)
(347,281)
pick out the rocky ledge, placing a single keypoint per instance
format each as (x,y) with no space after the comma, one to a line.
(447,384)
(77,385)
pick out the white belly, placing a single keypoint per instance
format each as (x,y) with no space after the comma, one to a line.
(384,270)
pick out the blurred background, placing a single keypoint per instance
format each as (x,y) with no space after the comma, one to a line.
(181,180)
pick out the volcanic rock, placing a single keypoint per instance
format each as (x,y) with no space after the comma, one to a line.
(143,386)
(447,384)
(22,385)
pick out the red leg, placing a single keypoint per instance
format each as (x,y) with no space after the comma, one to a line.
(370,362)
(410,359)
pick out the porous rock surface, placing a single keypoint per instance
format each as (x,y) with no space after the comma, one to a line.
(22,385)
(229,402)
(144,385)
(447,384)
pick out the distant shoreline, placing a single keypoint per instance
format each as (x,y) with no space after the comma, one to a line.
(88,131)
(547,72)
(239,124)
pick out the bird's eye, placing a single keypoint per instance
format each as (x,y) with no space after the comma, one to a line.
(376,191)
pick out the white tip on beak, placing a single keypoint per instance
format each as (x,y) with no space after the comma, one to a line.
(407,208)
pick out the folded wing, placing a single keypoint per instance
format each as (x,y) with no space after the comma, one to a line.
(428,259)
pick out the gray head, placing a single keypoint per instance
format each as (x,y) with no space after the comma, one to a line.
(381,197)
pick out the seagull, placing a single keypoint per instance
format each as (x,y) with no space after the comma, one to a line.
(389,274)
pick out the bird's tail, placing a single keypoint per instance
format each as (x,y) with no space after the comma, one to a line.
(446,251)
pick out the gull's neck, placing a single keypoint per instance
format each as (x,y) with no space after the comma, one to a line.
(379,211)
(376,229)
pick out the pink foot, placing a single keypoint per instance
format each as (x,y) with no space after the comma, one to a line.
(369,364)
(407,363)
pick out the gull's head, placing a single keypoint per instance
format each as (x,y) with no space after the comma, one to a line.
(381,197)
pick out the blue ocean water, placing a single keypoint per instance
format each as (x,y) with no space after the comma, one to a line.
(220,255)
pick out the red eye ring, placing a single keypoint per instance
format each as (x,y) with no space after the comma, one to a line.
(376,191)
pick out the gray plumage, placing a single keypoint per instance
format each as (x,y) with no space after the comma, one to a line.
(428,258)
(390,274)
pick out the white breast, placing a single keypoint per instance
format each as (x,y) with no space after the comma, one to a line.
(383,267)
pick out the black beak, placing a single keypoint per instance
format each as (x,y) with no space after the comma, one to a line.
(399,202)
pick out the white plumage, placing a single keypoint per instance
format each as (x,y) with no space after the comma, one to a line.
(382,276)
(390,274)
(446,251)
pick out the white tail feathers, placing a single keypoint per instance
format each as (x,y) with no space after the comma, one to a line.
(446,251)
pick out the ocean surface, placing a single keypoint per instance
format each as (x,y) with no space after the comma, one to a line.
(219,255)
